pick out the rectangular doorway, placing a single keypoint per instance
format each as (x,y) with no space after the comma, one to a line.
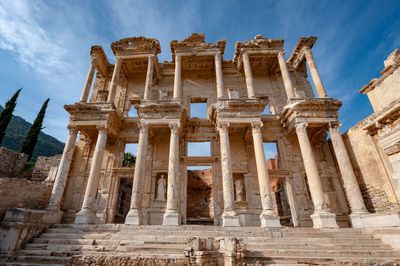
(200,200)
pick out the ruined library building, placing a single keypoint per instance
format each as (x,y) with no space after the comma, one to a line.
(319,181)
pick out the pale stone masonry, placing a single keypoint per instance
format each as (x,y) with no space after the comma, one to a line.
(319,183)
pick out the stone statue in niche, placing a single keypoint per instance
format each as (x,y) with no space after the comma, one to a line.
(161,188)
(240,190)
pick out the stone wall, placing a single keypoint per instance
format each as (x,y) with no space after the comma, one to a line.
(200,199)
(23,193)
(369,168)
(43,165)
(11,162)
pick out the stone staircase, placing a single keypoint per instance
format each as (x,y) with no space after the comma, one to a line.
(113,244)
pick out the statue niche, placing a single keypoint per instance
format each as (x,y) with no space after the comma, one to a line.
(161,191)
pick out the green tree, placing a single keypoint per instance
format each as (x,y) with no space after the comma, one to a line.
(29,143)
(6,115)
(129,160)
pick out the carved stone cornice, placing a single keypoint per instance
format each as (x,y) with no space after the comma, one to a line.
(237,108)
(196,42)
(314,110)
(299,51)
(259,43)
(100,59)
(136,45)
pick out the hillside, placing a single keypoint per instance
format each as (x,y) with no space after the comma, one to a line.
(15,134)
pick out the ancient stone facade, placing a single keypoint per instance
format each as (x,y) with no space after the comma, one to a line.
(314,177)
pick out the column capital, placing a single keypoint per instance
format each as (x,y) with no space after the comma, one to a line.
(246,55)
(223,126)
(72,129)
(102,129)
(334,126)
(218,56)
(301,127)
(256,126)
(151,58)
(118,60)
(281,53)
(307,51)
(174,126)
(178,58)
(143,127)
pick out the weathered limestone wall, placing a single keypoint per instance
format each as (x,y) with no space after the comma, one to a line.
(43,165)
(369,169)
(11,162)
(23,193)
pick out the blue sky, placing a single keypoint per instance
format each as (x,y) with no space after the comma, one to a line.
(44,45)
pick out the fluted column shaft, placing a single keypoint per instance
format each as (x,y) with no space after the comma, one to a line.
(149,77)
(171,216)
(285,75)
(114,80)
(134,216)
(177,77)
(314,180)
(87,213)
(63,170)
(88,82)
(218,75)
(349,179)
(248,75)
(314,73)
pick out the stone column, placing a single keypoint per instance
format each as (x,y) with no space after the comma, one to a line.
(177,77)
(285,75)
(229,217)
(218,75)
(87,214)
(149,77)
(88,82)
(268,216)
(314,73)
(114,80)
(63,170)
(134,215)
(171,216)
(350,183)
(248,75)
(322,217)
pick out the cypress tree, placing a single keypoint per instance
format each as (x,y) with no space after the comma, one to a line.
(29,143)
(6,114)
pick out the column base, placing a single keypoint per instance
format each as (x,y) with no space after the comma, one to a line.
(324,219)
(356,219)
(230,219)
(171,218)
(134,217)
(86,216)
(269,220)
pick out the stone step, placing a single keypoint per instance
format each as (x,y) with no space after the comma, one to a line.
(304,240)
(317,246)
(334,254)
(16,263)
(44,259)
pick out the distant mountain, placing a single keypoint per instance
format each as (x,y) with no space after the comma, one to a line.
(15,134)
